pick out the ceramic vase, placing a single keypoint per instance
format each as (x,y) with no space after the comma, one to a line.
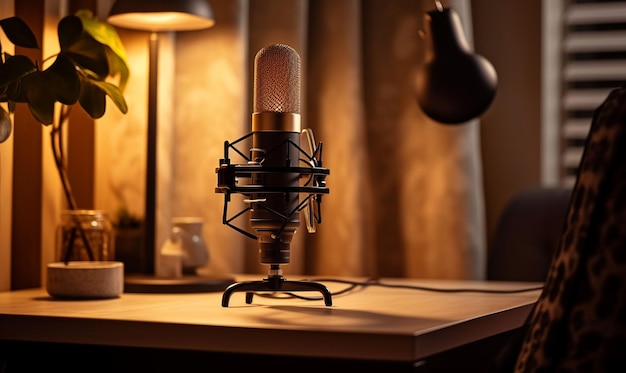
(186,239)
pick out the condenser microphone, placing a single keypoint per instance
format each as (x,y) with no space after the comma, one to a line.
(275,125)
(277,172)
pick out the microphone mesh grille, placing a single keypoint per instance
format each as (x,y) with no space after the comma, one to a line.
(277,79)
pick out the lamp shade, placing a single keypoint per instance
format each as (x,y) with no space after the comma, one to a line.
(162,15)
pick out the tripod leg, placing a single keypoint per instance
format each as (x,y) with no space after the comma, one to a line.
(328,301)
(239,287)
(226,296)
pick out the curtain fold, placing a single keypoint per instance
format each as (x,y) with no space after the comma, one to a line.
(335,107)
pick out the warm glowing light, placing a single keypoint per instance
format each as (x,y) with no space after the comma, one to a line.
(161,21)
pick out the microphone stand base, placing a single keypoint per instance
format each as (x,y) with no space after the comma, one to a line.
(274,284)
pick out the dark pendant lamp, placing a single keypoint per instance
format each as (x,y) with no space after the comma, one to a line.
(454,85)
(156,16)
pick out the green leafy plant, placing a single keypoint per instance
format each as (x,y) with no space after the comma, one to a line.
(90,65)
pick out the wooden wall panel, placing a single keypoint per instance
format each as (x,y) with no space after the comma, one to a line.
(27,173)
(81,139)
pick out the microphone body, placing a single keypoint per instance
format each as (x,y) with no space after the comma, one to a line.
(276,219)
(275,129)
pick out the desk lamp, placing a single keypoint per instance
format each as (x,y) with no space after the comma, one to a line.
(158,16)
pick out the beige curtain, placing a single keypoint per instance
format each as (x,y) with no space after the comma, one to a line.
(406,197)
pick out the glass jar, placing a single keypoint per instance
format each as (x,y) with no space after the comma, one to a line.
(84,235)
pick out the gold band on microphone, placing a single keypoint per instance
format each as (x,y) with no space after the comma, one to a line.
(267,121)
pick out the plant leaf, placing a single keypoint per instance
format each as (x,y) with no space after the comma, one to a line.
(5,125)
(40,99)
(89,57)
(93,95)
(69,29)
(63,80)
(106,34)
(92,99)
(81,48)
(115,94)
(18,32)
(14,69)
(118,65)
(103,33)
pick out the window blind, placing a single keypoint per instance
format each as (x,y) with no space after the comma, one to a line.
(594,63)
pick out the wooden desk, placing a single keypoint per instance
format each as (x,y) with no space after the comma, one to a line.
(376,325)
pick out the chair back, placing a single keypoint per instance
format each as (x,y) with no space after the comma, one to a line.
(527,234)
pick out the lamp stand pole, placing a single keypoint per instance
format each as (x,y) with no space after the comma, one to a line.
(150,206)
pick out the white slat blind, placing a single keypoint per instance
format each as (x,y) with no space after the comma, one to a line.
(594,62)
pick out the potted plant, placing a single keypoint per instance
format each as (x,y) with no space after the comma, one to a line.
(90,65)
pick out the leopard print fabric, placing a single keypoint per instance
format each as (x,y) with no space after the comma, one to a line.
(579,321)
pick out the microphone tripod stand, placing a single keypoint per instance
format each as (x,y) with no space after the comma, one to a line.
(273,283)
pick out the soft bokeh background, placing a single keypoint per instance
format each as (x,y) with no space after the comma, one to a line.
(407,195)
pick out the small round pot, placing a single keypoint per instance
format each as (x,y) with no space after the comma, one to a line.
(85,279)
